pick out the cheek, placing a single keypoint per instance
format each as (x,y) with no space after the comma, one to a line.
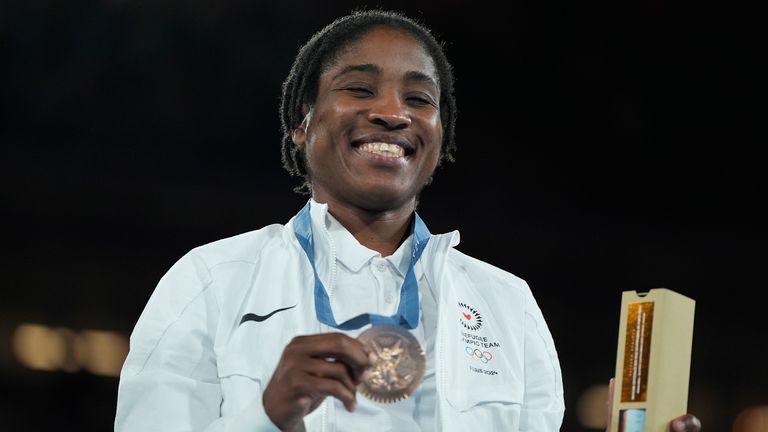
(437,139)
(432,159)
(316,143)
(329,125)
(315,151)
(435,125)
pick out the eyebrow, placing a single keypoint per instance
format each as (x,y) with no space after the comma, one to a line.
(375,69)
(368,67)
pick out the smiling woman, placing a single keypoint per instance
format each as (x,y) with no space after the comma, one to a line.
(372,137)
(424,85)
(353,295)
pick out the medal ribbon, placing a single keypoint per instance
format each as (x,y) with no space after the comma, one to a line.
(407,314)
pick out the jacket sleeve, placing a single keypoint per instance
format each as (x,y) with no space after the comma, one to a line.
(169,381)
(543,405)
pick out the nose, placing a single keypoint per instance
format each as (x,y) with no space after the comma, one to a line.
(388,111)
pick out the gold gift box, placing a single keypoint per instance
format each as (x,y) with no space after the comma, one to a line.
(653,360)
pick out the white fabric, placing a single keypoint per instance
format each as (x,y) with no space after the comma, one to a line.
(361,280)
(193,367)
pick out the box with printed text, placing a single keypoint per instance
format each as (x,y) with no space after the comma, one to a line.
(653,360)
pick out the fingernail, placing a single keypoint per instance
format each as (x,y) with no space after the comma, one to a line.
(372,357)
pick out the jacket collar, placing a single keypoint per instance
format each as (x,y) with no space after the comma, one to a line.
(333,243)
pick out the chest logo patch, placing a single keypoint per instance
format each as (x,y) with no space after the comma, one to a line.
(469,317)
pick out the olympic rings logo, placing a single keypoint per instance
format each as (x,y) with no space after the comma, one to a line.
(483,356)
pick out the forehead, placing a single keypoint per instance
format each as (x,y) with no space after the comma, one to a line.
(392,49)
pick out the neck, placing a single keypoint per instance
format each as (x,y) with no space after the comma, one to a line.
(379,230)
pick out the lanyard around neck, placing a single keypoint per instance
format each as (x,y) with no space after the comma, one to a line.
(407,313)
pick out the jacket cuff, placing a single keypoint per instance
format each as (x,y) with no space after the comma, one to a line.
(253,419)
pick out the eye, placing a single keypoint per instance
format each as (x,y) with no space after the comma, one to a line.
(359,91)
(421,100)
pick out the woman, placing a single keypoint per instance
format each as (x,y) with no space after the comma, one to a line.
(255,332)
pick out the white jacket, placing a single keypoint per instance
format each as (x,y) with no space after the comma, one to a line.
(193,367)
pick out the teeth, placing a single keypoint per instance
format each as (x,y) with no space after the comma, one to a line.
(383,149)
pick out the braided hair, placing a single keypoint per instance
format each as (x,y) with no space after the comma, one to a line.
(322,50)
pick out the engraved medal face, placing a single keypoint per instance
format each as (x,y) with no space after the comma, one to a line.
(399,369)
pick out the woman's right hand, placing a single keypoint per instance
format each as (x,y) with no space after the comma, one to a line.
(311,368)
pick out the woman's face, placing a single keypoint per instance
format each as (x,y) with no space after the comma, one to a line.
(372,139)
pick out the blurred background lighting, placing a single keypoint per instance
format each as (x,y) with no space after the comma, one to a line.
(39,347)
(591,408)
(752,419)
(101,352)
(42,348)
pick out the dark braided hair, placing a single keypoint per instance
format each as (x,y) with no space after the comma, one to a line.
(320,53)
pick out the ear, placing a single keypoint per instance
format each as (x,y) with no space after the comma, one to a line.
(299,134)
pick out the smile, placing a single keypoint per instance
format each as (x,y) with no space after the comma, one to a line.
(383,149)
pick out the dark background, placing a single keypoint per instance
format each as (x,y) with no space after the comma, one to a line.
(603,146)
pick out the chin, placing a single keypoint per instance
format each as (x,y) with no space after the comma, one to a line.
(382,199)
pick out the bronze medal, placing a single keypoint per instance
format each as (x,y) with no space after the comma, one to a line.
(399,368)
